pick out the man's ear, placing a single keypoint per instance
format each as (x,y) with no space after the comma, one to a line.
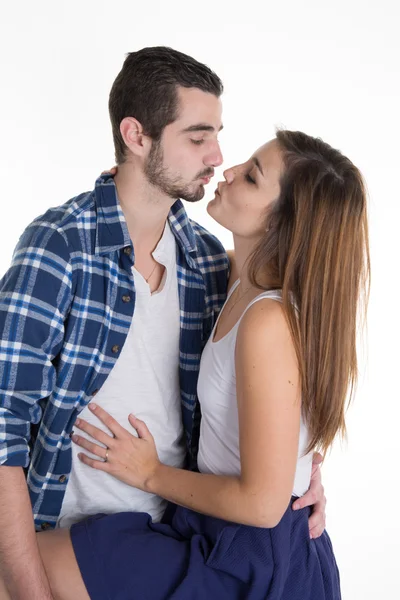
(135,139)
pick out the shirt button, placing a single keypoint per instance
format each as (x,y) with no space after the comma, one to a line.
(128,250)
(62,479)
(115,349)
(44,526)
(126,298)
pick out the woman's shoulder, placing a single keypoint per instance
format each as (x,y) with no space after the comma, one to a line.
(265,312)
(264,335)
(264,325)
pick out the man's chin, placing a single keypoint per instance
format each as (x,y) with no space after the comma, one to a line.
(193,196)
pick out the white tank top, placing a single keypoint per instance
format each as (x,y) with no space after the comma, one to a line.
(145,382)
(219,434)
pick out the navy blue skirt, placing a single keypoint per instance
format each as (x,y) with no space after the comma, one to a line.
(194,557)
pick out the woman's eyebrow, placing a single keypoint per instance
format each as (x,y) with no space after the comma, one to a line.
(257,163)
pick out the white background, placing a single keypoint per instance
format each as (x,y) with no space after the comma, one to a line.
(331,70)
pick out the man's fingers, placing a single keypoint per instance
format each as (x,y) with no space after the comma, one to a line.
(317,520)
(308,499)
(317,458)
(317,531)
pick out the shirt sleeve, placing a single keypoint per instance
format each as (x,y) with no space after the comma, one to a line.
(35,296)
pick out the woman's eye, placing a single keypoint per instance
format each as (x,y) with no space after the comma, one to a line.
(249,178)
(197,142)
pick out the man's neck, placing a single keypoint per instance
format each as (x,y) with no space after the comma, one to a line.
(144,207)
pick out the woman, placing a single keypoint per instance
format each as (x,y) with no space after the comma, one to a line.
(273,384)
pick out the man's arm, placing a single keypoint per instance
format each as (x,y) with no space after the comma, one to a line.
(21,567)
(34,299)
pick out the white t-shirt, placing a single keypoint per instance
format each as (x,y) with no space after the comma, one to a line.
(219,431)
(145,382)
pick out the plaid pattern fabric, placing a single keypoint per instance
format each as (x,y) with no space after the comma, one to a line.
(66,305)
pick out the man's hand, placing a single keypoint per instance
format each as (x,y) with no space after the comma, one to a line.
(314,497)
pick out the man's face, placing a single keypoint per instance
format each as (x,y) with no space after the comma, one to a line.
(183,161)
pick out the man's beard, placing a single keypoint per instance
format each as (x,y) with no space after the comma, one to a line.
(158,175)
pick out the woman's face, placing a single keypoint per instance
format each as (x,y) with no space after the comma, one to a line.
(242,200)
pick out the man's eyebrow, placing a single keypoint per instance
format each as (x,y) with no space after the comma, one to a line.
(201,127)
(257,163)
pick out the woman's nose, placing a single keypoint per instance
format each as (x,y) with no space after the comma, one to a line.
(229,175)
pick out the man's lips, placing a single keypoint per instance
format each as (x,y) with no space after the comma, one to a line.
(206,178)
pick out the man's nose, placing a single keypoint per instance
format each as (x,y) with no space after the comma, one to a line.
(214,158)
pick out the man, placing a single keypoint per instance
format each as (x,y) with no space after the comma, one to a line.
(112,294)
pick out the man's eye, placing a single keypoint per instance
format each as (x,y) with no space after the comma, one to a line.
(197,142)
(249,178)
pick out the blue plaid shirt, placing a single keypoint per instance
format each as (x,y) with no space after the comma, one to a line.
(66,305)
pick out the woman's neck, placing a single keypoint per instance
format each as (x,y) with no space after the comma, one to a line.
(244,248)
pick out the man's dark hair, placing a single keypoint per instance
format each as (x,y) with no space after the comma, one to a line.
(146,89)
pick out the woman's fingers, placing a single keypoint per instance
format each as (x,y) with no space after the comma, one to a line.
(94,432)
(140,426)
(90,446)
(113,171)
(109,421)
(100,465)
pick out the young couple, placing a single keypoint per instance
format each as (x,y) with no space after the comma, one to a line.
(188,469)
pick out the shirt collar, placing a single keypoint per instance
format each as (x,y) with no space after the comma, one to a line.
(111,229)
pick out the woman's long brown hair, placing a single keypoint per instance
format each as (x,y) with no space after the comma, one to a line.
(316,249)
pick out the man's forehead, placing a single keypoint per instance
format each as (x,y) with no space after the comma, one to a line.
(198,111)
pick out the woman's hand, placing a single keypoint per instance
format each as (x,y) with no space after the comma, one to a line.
(133,460)
(113,171)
